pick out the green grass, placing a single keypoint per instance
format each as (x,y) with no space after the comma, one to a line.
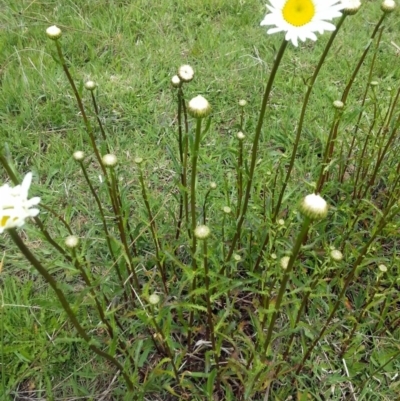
(131,49)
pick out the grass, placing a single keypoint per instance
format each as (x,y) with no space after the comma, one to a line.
(131,49)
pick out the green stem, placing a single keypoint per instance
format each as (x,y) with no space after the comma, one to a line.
(153,231)
(286,275)
(302,116)
(256,141)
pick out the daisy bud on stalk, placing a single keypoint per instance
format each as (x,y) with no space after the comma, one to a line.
(15,207)
(185,73)
(154,299)
(53,32)
(202,232)
(72,241)
(388,6)
(176,81)
(109,160)
(314,207)
(90,85)
(284,262)
(199,107)
(78,155)
(351,6)
(240,136)
(336,255)
(338,104)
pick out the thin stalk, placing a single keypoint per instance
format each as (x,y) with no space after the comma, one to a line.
(254,152)
(165,343)
(180,145)
(239,179)
(131,269)
(353,77)
(153,230)
(302,116)
(195,155)
(102,130)
(371,68)
(210,320)
(326,159)
(60,295)
(286,275)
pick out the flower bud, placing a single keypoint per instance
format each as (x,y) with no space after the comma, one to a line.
(90,85)
(202,232)
(314,207)
(71,241)
(138,160)
(154,299)
(109,160)
(388,6)
(240,136)
(176,81)
(213,185)
(237,257)
(227,209)
(351,6)
(336,255)
(285,262)
(338,104)
(185,73)
(382,268)
(199,107)
(53,32)
(78,155)
(242,102)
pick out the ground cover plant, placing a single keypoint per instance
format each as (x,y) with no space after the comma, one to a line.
(240,244)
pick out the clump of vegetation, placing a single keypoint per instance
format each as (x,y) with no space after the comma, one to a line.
(233,277)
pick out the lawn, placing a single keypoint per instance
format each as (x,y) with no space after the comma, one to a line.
(239,325)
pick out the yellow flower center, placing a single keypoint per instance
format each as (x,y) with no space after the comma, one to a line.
(298,12)
(3,221)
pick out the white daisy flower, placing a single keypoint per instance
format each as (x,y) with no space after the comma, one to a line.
(301,18)
(15,207)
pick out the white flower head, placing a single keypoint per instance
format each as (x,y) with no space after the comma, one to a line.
(199,107)
(338,104)
(79,155)
(336,255)
(388,6)
(383,268)
(15,207)
(185,73)
(300,19)
(240,136)
(72,241)
(202,232)
(109,160)
(53,32)
(176,81)
(154,299)
(227,209)
(351,6)
(314,207)
(90,85)
(285,262)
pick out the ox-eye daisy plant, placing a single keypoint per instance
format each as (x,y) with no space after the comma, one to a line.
(229,262)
